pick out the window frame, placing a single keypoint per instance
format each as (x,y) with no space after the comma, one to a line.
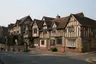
(71,44)
(54,30)
(35,30)
(53,42)
(43,42)
(60,39)
(70,28)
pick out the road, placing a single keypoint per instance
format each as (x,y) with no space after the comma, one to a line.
(26,58)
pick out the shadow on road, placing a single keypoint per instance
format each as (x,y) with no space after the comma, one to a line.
(39,59)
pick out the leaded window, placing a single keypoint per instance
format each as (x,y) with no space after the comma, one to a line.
(70,28)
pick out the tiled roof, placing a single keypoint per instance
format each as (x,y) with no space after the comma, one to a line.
(48,21)
(39,23)
(17,22)
(10,26)
(20,21)
(61,22)
(79,14)
(48,18)
(85,21)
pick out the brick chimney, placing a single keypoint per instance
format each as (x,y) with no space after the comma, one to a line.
(57,17)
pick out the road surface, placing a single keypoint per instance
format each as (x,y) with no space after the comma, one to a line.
(26,58)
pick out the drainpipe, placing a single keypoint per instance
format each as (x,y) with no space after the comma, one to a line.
(6,43)
(49,39)
(64,40)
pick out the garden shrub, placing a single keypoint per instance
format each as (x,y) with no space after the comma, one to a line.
(54,49)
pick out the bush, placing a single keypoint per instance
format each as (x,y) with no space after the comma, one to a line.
(54,49)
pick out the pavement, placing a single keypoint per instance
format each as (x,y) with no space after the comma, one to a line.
(91,58)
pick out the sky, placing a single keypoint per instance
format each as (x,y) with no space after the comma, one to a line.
(11,10)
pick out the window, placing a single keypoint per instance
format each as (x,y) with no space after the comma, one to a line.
(54,30)
(35,30)
(71,29)
(42,42)
(52,42)
(59,41)
(71,43)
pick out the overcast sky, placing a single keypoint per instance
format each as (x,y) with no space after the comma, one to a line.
(10,10)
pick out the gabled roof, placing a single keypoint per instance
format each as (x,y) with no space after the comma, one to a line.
(61,22)
(17,22)
(24,18)
(78,14)
(85,21)
(39,23)
(48,21)
(10,26)
(28,26)
(20,21)
(47,18)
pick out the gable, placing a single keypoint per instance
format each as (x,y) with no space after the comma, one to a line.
(26,20)
(35,25)
(73,21)
(54,25)
(43,19)
(44,24)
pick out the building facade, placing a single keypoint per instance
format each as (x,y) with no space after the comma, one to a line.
(20,30)
(75,32)
(72,33)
